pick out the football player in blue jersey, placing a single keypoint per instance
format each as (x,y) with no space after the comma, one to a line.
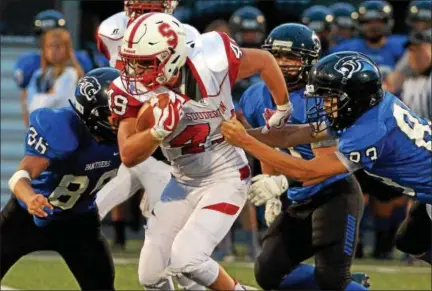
(28,63)
(70,154)
(375,131)
(320,19)
(376,22)
(345,22)
(287,243)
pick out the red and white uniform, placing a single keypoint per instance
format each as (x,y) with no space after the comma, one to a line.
(211,178)
(152,175)
(110,36)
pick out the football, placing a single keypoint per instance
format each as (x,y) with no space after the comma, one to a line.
(145,119)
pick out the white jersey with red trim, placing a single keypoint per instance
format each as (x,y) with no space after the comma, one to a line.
(196,148)
(110,36)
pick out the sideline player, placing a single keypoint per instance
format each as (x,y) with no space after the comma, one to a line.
(297,48)
(376,132)
(210,178)
(376,21)
(70,153)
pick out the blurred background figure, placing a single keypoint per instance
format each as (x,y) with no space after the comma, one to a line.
(248,28)
(219,25)
(54,82)
(27,64)
(419,17)
(416,90)
(320,19)
(375,27)
(345,22)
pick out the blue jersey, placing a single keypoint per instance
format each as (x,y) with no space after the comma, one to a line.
(79,165)
(253,102)
(29,63)
(385,57)
(391,142)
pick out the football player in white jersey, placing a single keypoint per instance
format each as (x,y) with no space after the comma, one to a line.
(210,178)
(151,174)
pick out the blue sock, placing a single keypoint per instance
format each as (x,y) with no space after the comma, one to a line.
(427,257)
(355,286)
(301,278)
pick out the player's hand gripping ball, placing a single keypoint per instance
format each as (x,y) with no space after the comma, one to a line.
(161,115)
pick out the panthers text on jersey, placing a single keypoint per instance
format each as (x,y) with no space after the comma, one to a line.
(196,148)
(253,102)
(391,142)
(110,36)
(79,165)
(385,57)
(29,63)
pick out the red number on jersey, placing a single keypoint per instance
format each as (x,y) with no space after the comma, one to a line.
(192,139)
(166,31)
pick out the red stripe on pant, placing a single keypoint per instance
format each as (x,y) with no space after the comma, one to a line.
(223,207)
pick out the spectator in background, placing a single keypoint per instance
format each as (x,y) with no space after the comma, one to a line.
(416,91)
(345,22)
(219,25)
(419,17)
(320,19)
(27,64)
(54,82)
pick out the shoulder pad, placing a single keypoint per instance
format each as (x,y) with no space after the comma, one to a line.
(367,131)
(211,45)
(114,26)
(58,127)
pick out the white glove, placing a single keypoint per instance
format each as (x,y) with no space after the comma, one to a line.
(273,208)
(266,187)
(167,118)
(277,118)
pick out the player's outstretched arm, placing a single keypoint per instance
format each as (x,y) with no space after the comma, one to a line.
(289,135)
(306,171)
(29,168)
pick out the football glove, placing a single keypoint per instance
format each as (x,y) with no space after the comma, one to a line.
(167,118)
(273,208)
(277,118)
(266,187)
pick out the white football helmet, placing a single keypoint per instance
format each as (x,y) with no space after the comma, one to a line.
(135,8)
(153,51)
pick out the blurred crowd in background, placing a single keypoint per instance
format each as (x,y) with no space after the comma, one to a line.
(377,28)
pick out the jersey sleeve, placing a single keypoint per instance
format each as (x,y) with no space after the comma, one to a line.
(51,134)
(234,55)
(24,69)
(122,105)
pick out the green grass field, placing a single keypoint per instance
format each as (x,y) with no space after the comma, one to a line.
(49,272)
